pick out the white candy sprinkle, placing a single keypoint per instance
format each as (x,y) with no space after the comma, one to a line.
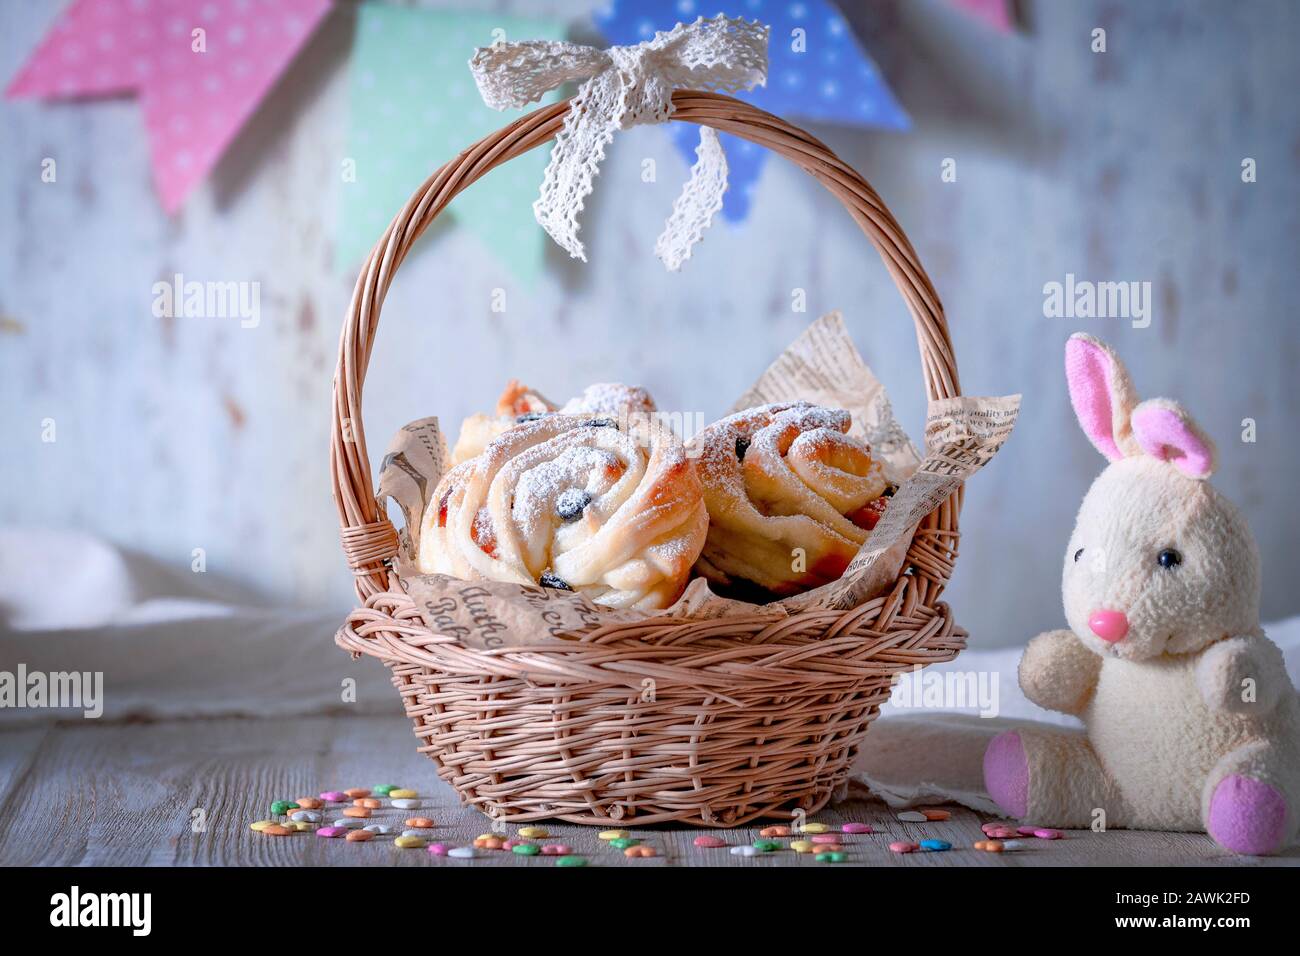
(348,823)
(462,853)
(305,816)
(407,804)
(379,828)
(744,850)
(911,816)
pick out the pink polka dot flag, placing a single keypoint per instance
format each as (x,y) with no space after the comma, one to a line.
(199,67)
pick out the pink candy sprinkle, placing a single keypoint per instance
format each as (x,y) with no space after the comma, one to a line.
(438,849)
(331,831)
(556,849)
(903,847)
(856,828)
(334,796)
(710,842)
(1026,831)
(825,838)
(1046,834)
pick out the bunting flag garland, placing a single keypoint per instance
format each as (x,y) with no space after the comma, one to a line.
(996,13)
(199,67)
(817,71)
(414,107)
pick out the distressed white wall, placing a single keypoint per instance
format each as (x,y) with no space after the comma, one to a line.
(188,433)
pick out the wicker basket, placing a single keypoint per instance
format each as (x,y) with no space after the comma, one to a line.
(748,718)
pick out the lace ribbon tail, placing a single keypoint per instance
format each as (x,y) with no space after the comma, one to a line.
(699,201)
(575,161)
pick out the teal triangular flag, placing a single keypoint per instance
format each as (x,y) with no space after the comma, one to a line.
(415,106)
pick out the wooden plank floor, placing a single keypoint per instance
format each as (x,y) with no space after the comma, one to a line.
(85,793)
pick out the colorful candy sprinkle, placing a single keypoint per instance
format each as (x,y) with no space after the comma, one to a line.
(814,828)
(802,846)
(309,803)
(407,803)
(331,832)
(857,828)
(462,853)
(490,842)
(281,807)
(1001,833)
(1013,845)
(827,848)
(935,815)
(766,846)
(420,823)
(360,836)
(400,794)
(622,843)
(533,833)
(409,842)
(556,849)
(903,846)
(831,857)
(384,789)
(379,828)
(439,849)
(276,829)
(370,803)
(989,846)
(526,849)
(571,861)
(640,851)
(1026,831)
(825,838)
(710,842)
(261,825)
(912,816)
(305,816)
(359,813)
(356,792)
(743,850)
(349,823)
(1048,834)
(333,796)
(776,831)
(935,846)
(613,834)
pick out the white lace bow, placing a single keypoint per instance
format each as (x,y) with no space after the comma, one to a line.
(623,87)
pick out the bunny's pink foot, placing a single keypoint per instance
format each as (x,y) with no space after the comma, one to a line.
(1006,774)
(1246,816)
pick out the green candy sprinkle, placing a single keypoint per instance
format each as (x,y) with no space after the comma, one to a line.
(833,857)
(526,849)
(281,807)
(766,846)
(571,861)
(384,789)
(622,843)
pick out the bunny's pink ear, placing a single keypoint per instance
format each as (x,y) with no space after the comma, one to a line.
(1166,431)
(1102,395)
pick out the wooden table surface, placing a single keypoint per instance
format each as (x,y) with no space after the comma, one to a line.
(118,794)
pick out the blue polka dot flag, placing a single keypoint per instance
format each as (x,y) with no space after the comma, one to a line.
(817,71)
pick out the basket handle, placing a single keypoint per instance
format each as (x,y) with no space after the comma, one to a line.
(369,538)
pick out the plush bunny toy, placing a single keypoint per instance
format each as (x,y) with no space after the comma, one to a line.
(1192,722)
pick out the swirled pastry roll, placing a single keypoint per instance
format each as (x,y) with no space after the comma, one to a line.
(791,496)
(519,403)
(572,502)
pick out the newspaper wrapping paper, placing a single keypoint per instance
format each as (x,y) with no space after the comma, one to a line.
(821,366)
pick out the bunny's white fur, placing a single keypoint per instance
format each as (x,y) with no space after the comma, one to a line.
(1192,722)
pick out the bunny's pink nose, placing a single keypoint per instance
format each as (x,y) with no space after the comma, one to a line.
(1110,626)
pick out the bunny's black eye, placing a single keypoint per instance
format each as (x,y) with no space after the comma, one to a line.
(1169,558)
(1077,555)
